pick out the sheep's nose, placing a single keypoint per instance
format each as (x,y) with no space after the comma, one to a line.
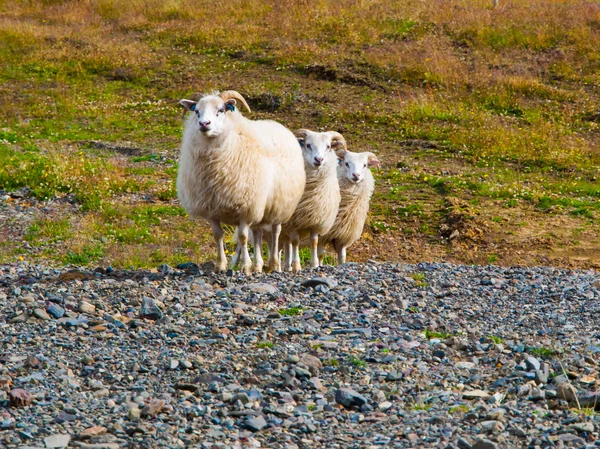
(356,176)
(318,160)
(204,124)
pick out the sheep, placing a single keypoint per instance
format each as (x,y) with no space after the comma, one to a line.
(318,207)
(238,171)
(356,187)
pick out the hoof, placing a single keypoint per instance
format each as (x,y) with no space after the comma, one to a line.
(296,267)
(246,269)
(257,268)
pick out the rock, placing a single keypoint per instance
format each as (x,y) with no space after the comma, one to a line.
(314,282)
(20,398)
(174,364)
(55,310)
(86,307)
(533,363)
(41,314)
(492,426)
(152,408)
(255,423)
(385,406)
(92,432)
(348,398)
(57,440)
(583,427)
(566,391)
(463,444)
(311,361)
(476,394)
(150,310)
(262,288)
(484,444)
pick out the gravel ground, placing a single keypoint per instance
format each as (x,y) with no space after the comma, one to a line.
(357,356)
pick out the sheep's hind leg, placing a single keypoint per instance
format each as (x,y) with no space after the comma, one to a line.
(258,247)
(245,261)
(314,245)
(218,234)
(274,260)
(321,253)
(295,239)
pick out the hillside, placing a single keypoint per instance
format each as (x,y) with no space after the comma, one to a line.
(486,121)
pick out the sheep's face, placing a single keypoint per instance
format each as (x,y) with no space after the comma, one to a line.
(318,148)
(355,165)
(210,113)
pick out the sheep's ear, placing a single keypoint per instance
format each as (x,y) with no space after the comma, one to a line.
(190,105)
(373,161)
(338,145)
(341,154)
(300,141)
(230,104)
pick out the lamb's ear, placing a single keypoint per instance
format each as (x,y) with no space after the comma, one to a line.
(373,161)
(300,141)
(341,154)
(190,105)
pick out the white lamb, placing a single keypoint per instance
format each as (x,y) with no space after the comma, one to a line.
(319,205)
(356,187)
(239,172)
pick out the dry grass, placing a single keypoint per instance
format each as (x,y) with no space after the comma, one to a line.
(502,102)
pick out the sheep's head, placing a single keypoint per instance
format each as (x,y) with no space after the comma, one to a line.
(319,148)
(355,165)
(211,111)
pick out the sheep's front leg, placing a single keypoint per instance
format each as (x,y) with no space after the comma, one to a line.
(218,235)
(341,255)
(274,261)
(258,247)
(295,240)
(245,261)
(321,252)
(314,244)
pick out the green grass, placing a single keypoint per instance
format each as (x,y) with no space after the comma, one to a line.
(331,362)
(265,344)
(358,363)
(497,340)
(541,351)
(291,311)
(429,334)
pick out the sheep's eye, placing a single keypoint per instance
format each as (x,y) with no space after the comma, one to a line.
(220,111)
(309,147)
(364,166)
(329,147)
(347,165)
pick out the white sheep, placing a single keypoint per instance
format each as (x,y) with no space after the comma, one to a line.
(356,187)
(319,205)
(238,171)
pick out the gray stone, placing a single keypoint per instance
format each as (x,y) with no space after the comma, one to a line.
(57,440)
(348,398)
(484,444)
(150,310)
(256,423)
(314,282)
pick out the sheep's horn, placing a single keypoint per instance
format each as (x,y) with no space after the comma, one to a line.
(301,133)
(337,136)
(227,94)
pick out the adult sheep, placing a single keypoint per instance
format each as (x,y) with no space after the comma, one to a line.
(356,187)
(238,171)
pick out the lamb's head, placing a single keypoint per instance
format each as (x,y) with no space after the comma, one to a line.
(318,148)
(356,164)
(211,111)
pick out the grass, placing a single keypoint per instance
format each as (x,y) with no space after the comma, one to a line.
(358,363)
(494,108)
(497,340)
(291,311)
(265,344)
(429,334)
(463,408)
(541,351)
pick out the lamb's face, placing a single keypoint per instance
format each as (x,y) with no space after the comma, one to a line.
(355,165)
(210,113)
(318,148)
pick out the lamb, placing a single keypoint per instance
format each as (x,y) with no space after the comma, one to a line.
(319,205)
(238,171)
(356,187)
